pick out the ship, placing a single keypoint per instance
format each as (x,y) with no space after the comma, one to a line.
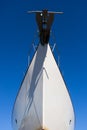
(43,101)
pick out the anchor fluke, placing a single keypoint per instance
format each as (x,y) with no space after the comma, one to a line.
(50,12)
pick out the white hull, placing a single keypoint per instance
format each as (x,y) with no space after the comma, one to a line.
(43,101)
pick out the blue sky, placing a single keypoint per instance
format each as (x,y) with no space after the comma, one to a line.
(17,31)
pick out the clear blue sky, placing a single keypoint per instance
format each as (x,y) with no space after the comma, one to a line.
(17,31)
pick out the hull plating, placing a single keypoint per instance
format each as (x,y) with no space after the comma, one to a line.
(43,101)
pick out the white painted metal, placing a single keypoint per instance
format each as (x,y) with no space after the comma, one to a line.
(43,101)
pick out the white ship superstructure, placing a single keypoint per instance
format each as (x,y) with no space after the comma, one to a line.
(43,102)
